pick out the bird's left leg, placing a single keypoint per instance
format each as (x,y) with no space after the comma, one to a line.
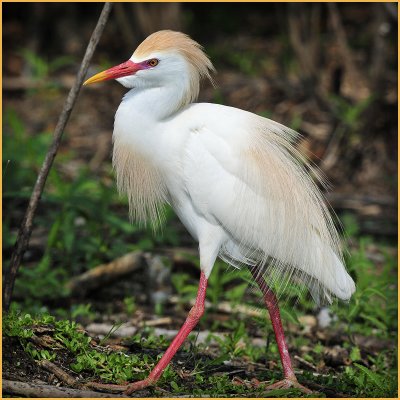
(271,302)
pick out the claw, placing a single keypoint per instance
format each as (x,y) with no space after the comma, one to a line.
(126,389)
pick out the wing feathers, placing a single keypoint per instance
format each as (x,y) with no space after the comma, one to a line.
(278,217)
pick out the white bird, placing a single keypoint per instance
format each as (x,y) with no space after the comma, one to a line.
(234,179)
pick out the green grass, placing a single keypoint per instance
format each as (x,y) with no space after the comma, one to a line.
(378,379)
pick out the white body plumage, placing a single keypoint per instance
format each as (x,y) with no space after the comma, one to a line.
(234,179)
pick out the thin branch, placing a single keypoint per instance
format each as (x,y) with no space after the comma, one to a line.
(26,225)
(35,390)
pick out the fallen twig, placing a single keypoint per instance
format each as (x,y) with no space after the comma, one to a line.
(35,390)
(27,223)
(60,373)
(305,362)
(106,273)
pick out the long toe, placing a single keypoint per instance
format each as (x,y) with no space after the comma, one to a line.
(106,387)
(133,387)
(287,384)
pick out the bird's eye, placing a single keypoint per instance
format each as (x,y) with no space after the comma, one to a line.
(153,62)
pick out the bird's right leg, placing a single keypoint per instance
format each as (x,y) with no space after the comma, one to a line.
(191,321)
(209,244)
(271,302)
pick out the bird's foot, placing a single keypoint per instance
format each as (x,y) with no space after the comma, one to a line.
(288,383)
(106,387)
(285,383)
(127,389)
(133,387)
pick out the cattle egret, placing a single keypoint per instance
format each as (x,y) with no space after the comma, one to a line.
(234,179)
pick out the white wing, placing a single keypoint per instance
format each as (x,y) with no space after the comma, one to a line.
(243,173)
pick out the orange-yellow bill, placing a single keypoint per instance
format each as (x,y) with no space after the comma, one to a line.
(119,71)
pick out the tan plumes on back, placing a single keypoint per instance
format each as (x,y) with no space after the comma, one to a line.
(286,204)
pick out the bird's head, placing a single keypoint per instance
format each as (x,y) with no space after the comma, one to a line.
(163,58)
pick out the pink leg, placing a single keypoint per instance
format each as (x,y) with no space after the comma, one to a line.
(191,321)
(271,302)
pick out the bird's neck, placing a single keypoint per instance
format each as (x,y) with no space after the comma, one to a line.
(157,103)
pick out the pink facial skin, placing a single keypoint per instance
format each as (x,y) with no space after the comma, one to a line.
(125,69)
